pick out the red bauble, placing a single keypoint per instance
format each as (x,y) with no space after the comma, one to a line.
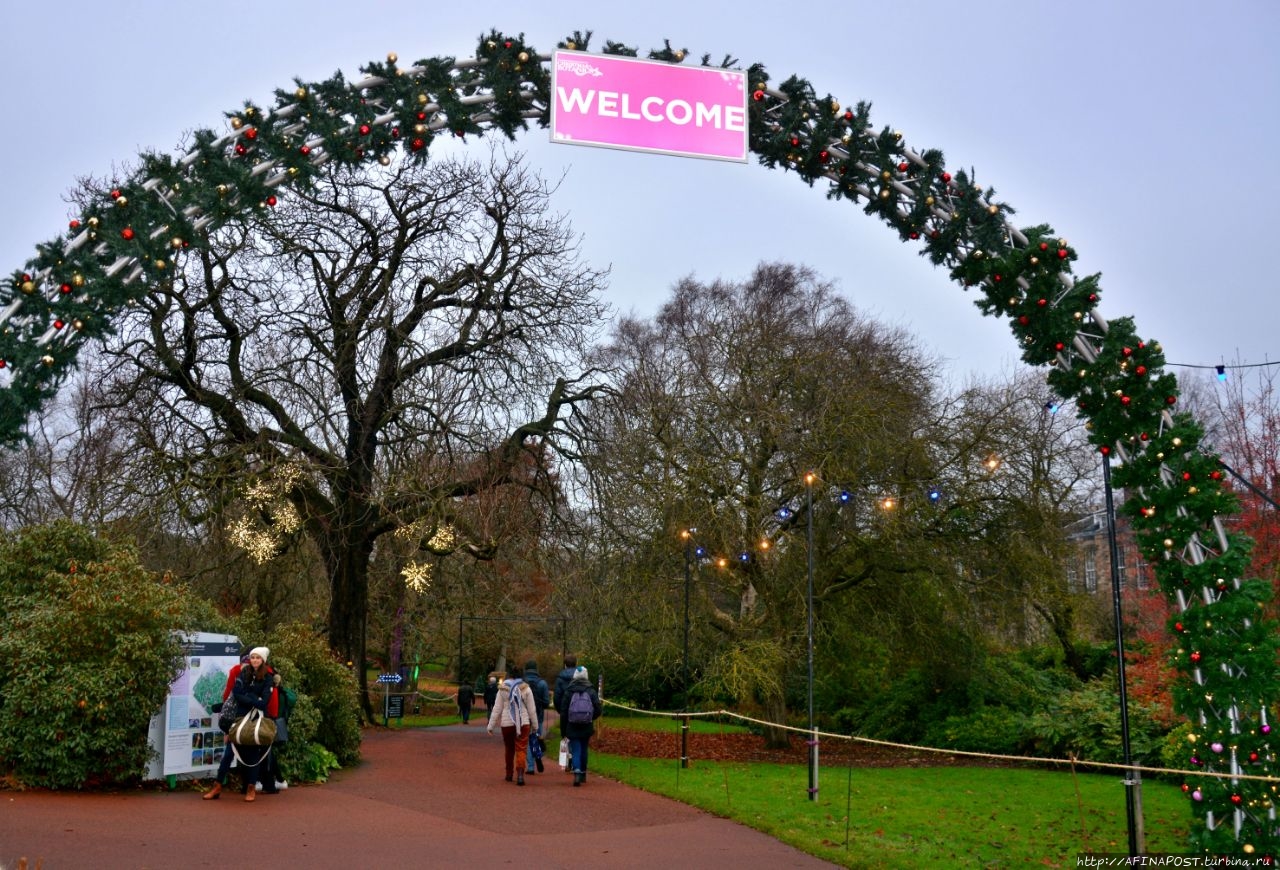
(848,116)
(1127,351)
(304,150)
(3,363)
(126,233)
(997,278)
(417,144)
(902,167)
(1171,400)
(241,150)
(251,133)
(271,200)
(1125,400)
(1104,450)
(1140,370)
(365,129)
(1236,799)
(757,96)
(75,225)
(65,288)
(1253,757)
(1023,319)
(946,177)
(1195,657)
(1042,302)
(1044,246)
(914,234)
(58,324)
(1177,626)
(1186,475)
(395,132)
(1057,345)
(422,116)
(824,156)
(115,194)
(1216,475)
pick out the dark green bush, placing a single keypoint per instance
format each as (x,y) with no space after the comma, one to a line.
(1086,724)
(326,688)
(87,652)
(996,730)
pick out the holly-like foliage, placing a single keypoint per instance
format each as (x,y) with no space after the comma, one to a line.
(87,653)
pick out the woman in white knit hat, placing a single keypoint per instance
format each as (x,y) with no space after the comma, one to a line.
(252,689)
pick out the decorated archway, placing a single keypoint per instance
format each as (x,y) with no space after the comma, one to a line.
(76,285)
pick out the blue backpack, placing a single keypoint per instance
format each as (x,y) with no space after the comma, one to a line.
(581,710)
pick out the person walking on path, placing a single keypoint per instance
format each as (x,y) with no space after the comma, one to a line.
(563,679)
(541,698)
(515,712)
(253,689)
(580,708)
(491,692)
(466,697)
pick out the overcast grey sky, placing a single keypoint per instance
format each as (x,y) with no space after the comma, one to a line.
(1144,132)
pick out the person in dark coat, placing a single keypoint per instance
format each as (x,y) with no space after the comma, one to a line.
(466,697)
(491,691)
(541,699)
(253,689)
(579,732)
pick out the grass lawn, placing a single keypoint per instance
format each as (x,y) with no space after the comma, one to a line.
(911,817)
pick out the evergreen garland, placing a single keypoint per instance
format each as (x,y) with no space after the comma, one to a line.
(129,241)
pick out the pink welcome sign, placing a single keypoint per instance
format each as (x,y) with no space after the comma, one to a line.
(643,105)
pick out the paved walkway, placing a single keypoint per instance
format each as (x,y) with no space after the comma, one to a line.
(420,798)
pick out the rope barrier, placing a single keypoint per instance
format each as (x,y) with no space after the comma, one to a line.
(1025,759)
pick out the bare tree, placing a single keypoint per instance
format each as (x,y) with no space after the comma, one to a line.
(366,357)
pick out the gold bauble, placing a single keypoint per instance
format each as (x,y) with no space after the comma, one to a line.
(1191,490)
(419,128)
(1078,316)
(897,134)
(679,55)
(1192,738)
(300,93)
(384,160)
(928,200)
(422,99)
(122,201)
(293,171)
(884,194)
(392,57)
(835,106)
(175,242)
(93,221)
(77,324)
(1035,261)
(1160,456)
(28,286)
(222,190)
(236,123)
(993,209)
(524,56)
(77,280)
(160,264)
(1168,543)
(886,175)
(250,112)
(47,360)
(1177,442)
(1247,848)
(571,45)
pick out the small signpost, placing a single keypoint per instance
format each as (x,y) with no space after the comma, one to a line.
(392,705)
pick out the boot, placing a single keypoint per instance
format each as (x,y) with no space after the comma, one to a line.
(213,793)
(520,778)
(251,795)
(577,778)
(538,762)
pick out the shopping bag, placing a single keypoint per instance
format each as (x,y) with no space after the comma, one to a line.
(564,752)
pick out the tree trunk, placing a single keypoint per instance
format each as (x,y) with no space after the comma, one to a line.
(348,562)
(775,737)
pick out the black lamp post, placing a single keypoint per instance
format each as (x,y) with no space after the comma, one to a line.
(1131,781)
(687,534)
(813,733)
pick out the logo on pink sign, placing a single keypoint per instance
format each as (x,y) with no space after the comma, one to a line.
(643,105)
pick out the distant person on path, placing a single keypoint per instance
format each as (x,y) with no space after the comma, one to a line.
(579,709)
(563,679)
(516,713)
(490,693)
(253,689)
(541,699)
(466,697)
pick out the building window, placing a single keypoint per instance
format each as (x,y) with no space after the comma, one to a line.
(1090,569)
(1073,579)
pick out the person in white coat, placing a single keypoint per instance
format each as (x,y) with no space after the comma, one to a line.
(515,713)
